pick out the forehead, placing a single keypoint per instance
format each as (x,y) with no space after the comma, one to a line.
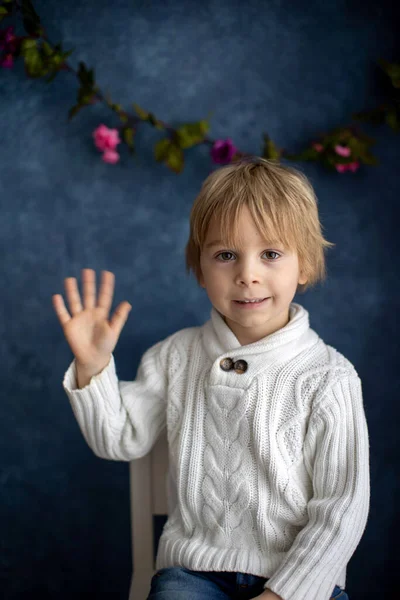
(218,242)
(220,232)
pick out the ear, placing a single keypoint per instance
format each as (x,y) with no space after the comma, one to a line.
(302,279)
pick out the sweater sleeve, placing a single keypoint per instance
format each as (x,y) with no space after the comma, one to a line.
(336,452)
(121,420)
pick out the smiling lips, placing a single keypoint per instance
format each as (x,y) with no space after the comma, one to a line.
(250,304)
(250,299)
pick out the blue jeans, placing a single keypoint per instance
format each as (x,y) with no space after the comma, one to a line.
(179,583)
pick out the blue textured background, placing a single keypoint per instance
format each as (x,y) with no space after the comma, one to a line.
(289,69)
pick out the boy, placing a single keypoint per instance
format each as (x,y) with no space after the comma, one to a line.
(268,483)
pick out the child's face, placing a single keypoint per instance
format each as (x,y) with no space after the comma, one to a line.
(255,272)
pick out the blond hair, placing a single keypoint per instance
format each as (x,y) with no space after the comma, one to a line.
(282,203)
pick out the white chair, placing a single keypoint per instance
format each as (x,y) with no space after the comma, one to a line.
(148,497)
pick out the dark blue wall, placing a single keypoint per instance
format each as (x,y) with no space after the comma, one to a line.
(287,68)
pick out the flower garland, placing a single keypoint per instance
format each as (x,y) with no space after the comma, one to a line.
(343,149)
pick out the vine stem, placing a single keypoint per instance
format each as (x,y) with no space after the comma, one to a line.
(133,120)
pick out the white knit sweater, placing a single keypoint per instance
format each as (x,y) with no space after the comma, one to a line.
(268,469)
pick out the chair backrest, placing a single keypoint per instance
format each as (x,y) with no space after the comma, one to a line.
(148,497)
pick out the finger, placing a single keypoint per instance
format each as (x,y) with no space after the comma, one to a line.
(89,288)
(59,306)
(74,299)
(120,317)
(106,290)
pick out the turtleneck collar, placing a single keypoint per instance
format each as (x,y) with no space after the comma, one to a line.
(220,342)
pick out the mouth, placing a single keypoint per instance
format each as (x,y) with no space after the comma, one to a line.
(249,305)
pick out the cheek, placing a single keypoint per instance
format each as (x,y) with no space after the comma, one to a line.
(215,281)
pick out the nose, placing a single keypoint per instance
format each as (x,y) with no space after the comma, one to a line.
(248,272)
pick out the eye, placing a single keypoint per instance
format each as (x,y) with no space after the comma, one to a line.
(265,252)
(272,252)
(220,254)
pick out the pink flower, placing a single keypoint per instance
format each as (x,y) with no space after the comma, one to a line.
(342,150)
(7,61)
(105,138)
(349,167)
(318,147)
(6,36)
(110,156)
(353,166)
(8,44)
(223,151)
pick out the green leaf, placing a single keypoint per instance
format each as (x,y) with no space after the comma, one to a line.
(356,146)
(30,18)
(74,110)
(41,59)
(86,93)
(161,149)
(47,49)
(128,137)
(168,152)
(86,76)
(6,11)
(360,151)
(392,119)
(33,63)
(270,150)
(391,69)
(190,134)
(28,44)
(175,159)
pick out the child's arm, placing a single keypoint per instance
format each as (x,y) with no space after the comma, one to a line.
(121,420)
(336,451)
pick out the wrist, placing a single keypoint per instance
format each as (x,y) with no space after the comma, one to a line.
(84,373)
(92,368)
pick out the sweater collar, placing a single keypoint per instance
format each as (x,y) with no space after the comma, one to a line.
(219,341)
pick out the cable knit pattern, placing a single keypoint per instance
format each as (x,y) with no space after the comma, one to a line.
(268,467)
(227,462)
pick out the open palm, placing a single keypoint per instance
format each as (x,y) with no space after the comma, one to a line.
(90,334)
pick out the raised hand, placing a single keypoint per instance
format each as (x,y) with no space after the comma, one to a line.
(90,335)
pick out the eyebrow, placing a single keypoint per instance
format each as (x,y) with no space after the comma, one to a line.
(220,243)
